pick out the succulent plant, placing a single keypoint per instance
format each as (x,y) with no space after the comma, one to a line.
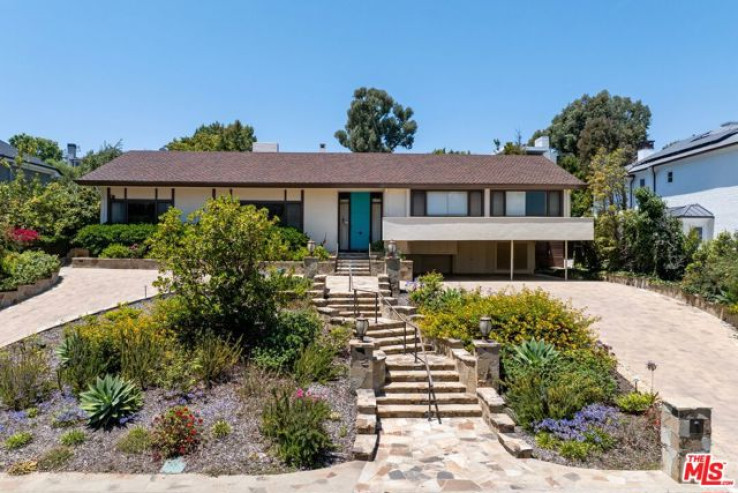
(110,401)
(535,352)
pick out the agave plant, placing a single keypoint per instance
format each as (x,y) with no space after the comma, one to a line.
(109,401)
(534,352)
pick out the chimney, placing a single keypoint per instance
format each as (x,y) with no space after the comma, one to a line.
(645,150)
(321,147)
(265,147)
(71,152)
(542,141)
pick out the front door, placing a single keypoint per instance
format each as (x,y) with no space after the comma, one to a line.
(360,220)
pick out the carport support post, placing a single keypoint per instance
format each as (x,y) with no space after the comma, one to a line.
(566,260)
(512,259)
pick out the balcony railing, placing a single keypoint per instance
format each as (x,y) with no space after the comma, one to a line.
(488,228)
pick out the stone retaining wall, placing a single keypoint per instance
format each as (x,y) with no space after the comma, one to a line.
(25,291)
(676,292)
(115,263)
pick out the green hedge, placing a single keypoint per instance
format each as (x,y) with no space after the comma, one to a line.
(26,268)
(97,237)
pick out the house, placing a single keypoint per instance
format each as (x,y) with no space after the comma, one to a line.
(31,166)
(459,214)
(697,177)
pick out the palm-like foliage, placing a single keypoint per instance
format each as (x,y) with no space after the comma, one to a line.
(109,400)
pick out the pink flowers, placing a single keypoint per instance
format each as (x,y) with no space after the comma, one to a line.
(23,236)
(306,394)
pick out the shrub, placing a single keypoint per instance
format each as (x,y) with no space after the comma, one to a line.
(428,289)
(516,317)
(281,346)
(110,401)
(32,412)
(315,364)
(28,267)
(590,430)
(221,429)
(18,440)
(97,237)
(23,370)
(55,458)
(136,441)
(292,238)
(713,273)
(534,352)
(73,438)
(23,467)
(286,281)
(294,421)
(177,431)
(215,358)
(116,250)
(636,402)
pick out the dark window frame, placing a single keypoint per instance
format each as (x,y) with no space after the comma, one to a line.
(670,176)
(424,193)
(126,202)
(261,204)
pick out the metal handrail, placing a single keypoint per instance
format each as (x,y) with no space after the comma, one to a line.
(431,387)
(376,302)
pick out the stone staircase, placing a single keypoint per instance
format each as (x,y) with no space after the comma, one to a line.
(340,304)
(356,263)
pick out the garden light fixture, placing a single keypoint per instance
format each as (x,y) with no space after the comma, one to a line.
(362,326)
(311,247)
(392,248)
(485,326)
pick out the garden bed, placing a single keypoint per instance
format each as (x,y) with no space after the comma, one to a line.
(25,291)
(239,401)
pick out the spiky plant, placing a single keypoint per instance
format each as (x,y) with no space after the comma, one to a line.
(535,352)
(109,401)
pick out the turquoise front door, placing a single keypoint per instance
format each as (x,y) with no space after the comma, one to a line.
(360,219)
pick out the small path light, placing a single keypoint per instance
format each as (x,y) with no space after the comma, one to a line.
(362,326)
(311,247)
(392,248)
(485,326)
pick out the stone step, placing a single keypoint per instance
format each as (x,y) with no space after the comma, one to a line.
(422,376)
(383,278)
(393,341)
(316,293)
(384,285)
(399,349)
(386,324)
(319,302)
(360,299)
(365,303)
(395,332)
(359,313)
(422,387)
(350,294)
(422,398)
(421,410)
(419,365)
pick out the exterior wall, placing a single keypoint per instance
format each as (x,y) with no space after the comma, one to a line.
(465,257)
(710,180)
(321,216)
(395,202)
(706,223)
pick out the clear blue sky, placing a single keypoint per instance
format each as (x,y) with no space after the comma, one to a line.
(148,71)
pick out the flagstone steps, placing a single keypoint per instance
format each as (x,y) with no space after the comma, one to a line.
(422,387)
(422,376)
(422,398)
(421,410)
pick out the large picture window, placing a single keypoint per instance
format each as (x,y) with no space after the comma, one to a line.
(447,203)
(289,213)
(135,211)
(533,203)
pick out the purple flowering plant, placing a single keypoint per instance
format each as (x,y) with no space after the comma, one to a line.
(593,423)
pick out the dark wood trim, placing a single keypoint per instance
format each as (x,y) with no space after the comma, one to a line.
(173,202)
(213,193)
(347,197)
(302,210)
(125,198)
(109,208)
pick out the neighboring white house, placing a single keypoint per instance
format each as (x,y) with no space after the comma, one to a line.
(697,177)
(453,213)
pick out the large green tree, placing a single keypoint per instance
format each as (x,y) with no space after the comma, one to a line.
(44,149)
(376,123)
(91,161)
(217,137)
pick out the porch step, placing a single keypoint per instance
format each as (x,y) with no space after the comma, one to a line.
(422,376)
(395,332)
(359,294)
(421,410)
(400,349)
(422,398)
(395,340)
(411,364)
(385,324)
(366,300)
(362,313)
(422,387)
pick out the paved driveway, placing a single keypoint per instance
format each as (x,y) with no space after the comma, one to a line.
(696,354)
(79,291)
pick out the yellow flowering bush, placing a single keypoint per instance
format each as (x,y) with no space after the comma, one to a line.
(516,317)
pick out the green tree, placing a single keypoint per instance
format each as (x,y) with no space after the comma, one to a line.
(217,137)
(376,123)
(449,151)
(44,149)
(607,187)
(714,271)
(214,260)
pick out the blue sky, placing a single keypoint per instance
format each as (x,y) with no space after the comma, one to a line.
(148,71)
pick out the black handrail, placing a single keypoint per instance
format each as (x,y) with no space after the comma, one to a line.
(376,303)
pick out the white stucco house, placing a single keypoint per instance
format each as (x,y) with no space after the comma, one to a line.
(459,214)
(697,177)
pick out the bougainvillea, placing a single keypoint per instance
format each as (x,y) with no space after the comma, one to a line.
(23,236)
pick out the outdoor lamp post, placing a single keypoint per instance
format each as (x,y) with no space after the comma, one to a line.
(311,247)
(392,248)
(485,326)
(362,325)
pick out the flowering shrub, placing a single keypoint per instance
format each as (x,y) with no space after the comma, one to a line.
(176,432)
(294,422)
(23,236)
(590,430)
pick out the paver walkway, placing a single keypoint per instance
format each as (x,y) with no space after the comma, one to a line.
(79,291)
(696,353)
(462,454)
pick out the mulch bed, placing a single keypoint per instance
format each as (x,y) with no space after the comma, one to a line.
(239,401)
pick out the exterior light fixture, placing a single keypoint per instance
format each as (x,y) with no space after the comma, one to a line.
(362,326)
(311,247)
(485,326)
(392,248)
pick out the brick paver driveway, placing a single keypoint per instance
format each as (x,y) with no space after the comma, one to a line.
(79,291)
(696,354)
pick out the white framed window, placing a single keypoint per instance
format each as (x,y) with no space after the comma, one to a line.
(515,203)
(447,204)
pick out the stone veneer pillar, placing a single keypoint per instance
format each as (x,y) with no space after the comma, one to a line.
(361,364)
(686,428)
(311,267)
(393,265)
(487,354)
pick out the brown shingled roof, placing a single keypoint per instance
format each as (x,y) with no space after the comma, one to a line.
(320,169)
